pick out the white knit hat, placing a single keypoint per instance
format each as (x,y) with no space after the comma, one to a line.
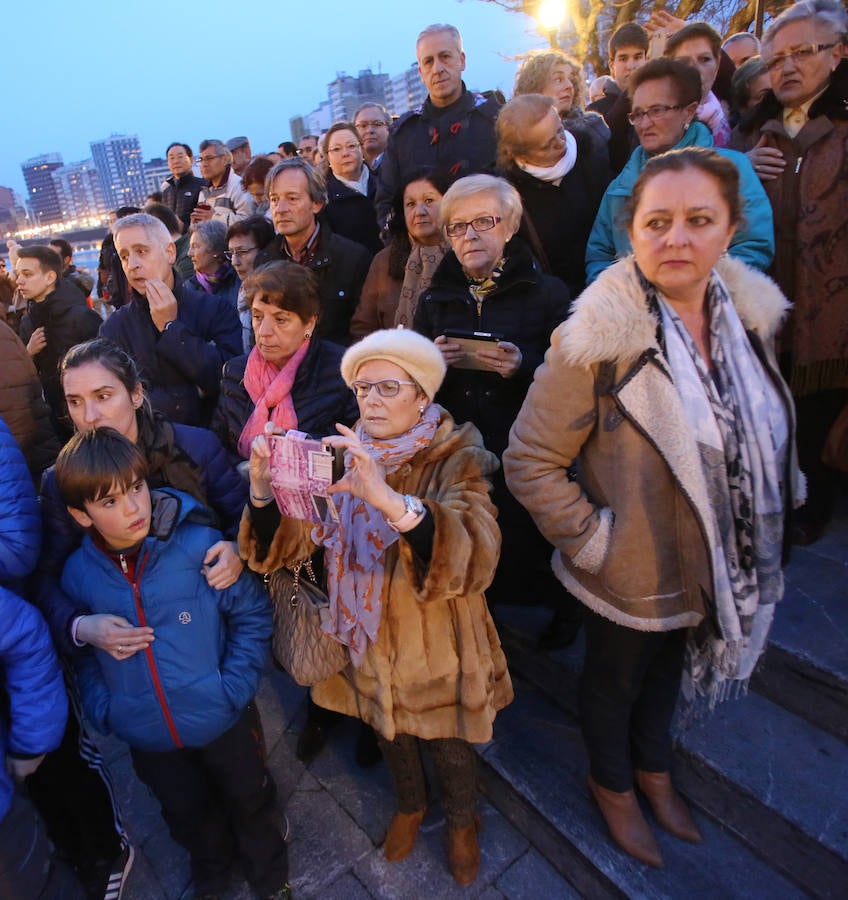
(414,353)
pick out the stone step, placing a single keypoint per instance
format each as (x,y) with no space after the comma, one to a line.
(535,775)
(805,667)
(784,811)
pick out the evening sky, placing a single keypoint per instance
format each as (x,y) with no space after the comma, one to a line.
(80,71)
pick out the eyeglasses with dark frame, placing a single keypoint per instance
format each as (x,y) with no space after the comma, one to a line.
(230,255)
(481,223)
(369,123)
(652,112)
(387,387)
(800,54)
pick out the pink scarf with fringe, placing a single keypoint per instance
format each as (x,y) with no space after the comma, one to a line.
(269,387)
(356,547)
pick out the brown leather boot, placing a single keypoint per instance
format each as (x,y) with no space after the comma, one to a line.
(400,838)
(668,806)
(626,823)
(464,853)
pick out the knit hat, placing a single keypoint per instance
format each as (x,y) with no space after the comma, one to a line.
(414,353)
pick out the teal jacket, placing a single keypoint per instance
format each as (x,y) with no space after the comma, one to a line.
(753,242)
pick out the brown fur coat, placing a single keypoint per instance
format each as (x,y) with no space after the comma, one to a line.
(437,669)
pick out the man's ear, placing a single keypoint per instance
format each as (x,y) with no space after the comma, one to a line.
(80,517)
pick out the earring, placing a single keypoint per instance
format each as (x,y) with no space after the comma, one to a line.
(421,410)
(307,335)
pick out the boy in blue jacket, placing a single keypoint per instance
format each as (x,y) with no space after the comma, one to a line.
(181,695)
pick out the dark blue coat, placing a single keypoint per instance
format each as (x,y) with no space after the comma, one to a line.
(525,307)
(30,681)
(210,647)
(353,215)
(319,394)
(225,492)
(182,364)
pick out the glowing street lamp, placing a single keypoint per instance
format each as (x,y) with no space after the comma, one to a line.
(551,14)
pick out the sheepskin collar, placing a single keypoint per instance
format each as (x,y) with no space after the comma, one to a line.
(610,320)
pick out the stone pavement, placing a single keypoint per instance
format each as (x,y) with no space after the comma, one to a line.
(338,814)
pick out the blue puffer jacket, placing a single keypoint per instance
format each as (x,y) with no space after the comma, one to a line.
(753,242)
(225,492)
(210,646)
(29,672)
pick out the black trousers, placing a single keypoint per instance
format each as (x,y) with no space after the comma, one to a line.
(72,792)
(218,800)
(816,414)
(628,692)
(455,763)
(28,868)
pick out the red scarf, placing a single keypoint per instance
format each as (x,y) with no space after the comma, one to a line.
(269,388)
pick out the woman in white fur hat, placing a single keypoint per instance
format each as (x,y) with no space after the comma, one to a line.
(415,547)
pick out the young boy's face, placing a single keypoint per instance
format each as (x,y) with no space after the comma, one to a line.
(121,517)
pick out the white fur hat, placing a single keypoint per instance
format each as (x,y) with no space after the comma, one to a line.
(414,353)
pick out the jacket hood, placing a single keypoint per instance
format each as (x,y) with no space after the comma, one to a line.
(610,320)
(696,135)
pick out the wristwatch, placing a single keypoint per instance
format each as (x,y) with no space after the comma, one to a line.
(413,510)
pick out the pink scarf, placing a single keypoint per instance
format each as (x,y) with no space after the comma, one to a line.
(269,388)
(356,547)
(711,113)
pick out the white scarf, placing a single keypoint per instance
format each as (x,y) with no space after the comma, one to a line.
(753,438)
(361,184)
(558,171)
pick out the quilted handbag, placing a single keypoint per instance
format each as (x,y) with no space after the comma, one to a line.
(299,644)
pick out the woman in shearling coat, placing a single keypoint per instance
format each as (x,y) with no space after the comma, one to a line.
(406,567)
(662,389)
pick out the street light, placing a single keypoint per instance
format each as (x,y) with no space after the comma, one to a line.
(551,14)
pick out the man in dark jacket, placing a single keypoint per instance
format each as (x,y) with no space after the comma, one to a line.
(454,130)
(179,339)
(70,272)
(182,187)
(297,194)
(57,317)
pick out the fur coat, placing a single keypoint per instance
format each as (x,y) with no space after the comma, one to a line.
(437,669)
(630,531)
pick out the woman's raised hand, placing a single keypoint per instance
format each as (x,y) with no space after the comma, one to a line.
(365,477)
(114,634)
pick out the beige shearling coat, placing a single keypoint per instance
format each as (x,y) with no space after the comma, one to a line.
(631,532)
(437,669)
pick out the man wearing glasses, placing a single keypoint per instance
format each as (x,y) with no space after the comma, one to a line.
(223,198)
(372,123)
(797,139)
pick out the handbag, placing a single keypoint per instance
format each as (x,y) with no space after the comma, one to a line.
(835,452)
(299,645)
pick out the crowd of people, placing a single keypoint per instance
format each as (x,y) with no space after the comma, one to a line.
(574,354)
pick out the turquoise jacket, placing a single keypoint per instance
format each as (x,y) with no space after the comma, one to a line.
(753,242)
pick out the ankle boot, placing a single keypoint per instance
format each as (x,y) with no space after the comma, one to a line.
(464,853)
(400,838)
(626,823)
(668,806)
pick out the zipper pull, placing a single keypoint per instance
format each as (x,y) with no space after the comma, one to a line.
(798,164)
(123,562)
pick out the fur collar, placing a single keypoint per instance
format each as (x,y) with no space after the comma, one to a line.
(833,103)
(610,319)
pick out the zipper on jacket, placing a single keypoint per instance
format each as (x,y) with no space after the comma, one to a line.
(148,653)
(798,164)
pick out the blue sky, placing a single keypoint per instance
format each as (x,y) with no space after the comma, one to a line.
(80,71)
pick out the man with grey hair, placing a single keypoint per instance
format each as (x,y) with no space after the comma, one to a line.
(741,47)
(224,197)
(241,153)
(179,338)
(372,124)
(454,129)
(297,193)
(797,137)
